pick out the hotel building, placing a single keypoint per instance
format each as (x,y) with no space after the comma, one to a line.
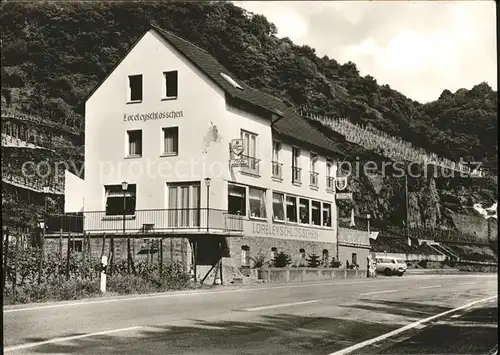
(228,171)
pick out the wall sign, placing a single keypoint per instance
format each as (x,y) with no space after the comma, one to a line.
(280,231)
(160,115)
(341,183)
(343,195)
(236,150)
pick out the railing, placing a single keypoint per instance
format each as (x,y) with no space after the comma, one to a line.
(330,181)
(296,174)
(313,178)
(252,166)
(148,221)
(277,170)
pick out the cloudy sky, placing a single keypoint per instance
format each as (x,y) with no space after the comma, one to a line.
(419,48)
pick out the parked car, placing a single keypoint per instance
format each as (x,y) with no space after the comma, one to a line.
(389,265)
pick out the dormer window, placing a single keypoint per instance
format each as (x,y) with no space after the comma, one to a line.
(231,81)
(170,85)
(135,88)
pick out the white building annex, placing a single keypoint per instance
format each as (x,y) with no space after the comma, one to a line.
(163,122)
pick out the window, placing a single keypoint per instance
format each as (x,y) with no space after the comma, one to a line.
(245,255)
(291,209)
(276,164)
(134,143)
(329,175)
(325,257)
(171,141)
(274,252)
(115,197)
(257,201)
(236,200)
(170,88)
(304,210)
(354,259)
(135,87)
(316,213)
(302,253)
(278,209)
(327,214)
(184,205)
(76,246)
(295,165)
(250,152)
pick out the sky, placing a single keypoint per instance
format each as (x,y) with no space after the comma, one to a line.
(419,48)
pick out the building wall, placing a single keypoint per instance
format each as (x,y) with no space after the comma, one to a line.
(345,254)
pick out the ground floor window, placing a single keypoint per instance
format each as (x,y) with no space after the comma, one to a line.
(120,202)
(304,210)
(316,213)
(184,204)
(291,209)
(245,255)
(278,209)
(236,200)
(327,214)
(257,201)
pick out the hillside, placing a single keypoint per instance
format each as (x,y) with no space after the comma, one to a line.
(53,54)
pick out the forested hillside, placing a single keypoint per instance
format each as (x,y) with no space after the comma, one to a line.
(54,53)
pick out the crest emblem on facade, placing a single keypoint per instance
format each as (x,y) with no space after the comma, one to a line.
(341,183)
(237,147)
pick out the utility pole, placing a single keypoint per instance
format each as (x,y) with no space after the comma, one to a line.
(407,209)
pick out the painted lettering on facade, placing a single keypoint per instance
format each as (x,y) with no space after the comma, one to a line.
(153,116)
(270,230)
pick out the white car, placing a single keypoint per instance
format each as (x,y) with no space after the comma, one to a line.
(389,265)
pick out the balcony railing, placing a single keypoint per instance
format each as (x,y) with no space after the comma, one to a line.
(330,181)
(296,175)
(147,221)
(313,178)
(252,166)
(277,170)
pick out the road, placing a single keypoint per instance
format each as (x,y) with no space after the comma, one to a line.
(302,318)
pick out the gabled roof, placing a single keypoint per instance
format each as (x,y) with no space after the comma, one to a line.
(290,123)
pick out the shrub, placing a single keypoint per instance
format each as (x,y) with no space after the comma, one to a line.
(313,260)
(335,264)
(282,259)
(259,261)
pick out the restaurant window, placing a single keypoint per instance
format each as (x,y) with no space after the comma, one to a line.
(278,209)
(327,214)
(291,209)
(236,200)
(135,87)
(114,200)
(184,205)
(134,143)
(257,201)
(304,210)
(316,213)
(171,141)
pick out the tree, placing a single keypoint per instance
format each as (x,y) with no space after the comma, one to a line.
(313,261)
(282,259)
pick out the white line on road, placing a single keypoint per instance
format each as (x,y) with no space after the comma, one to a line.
(407,327)
(278,305)
(59,340)
(429,287)
(376,292)
(467,283)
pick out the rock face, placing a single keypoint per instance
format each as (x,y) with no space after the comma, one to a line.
(432,202)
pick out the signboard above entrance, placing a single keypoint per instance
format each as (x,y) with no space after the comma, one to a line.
(343,196)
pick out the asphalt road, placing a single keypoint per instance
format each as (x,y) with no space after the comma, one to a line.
(302,318)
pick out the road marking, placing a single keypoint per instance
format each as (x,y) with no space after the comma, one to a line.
(425,287)
(184,294)
(467,283)
(408,327)
(376,292)
(278,305)
(59,340)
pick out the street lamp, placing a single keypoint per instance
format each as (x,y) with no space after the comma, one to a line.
(207,183)
(368,218)
(124,189)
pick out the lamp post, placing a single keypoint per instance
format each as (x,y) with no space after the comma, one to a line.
(368,219)
(207,184)
(124,189)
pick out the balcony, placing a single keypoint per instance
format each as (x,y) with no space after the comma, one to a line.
(252,166)
(296,172)
(313,179)
(172,221)
(277,171)
(330,181)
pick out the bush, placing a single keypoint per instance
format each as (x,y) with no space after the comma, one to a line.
(313,260)
(282,259)
(335,264)
(259,261)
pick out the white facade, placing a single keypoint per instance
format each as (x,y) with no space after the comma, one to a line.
(206,123)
